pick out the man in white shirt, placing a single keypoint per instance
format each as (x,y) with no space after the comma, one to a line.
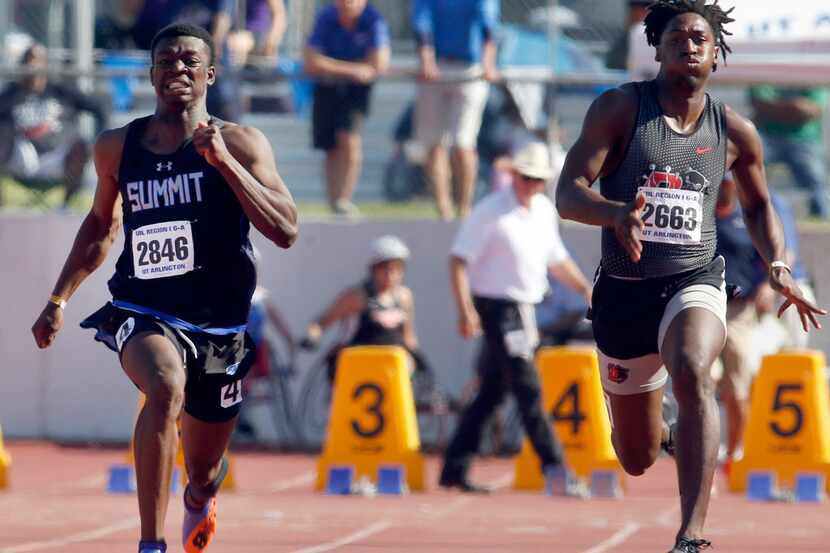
(498,269)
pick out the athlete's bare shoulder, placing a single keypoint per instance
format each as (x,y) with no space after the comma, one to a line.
(245,142)
(109,147)
(619,100)
(615,110)
(739,128)
(744,140)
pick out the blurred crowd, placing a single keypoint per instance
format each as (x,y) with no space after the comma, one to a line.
(465,119)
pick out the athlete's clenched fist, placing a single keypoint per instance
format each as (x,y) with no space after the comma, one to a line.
(207,138)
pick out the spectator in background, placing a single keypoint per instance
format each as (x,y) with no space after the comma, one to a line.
(457,54)
(797,337)
(347,50)
(39,139)
(266,20)
(382,304)
(747,270)
(114,29)
(619,54)
(790,122)
(224,99)
(499,264)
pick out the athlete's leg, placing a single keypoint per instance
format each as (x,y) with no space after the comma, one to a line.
(637,429)
(204,445)
(154,364)
(736,380)
(693,340)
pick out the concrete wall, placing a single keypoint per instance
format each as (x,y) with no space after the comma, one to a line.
(75,390)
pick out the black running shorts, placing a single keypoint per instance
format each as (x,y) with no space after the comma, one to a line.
(215,365)
(626,314)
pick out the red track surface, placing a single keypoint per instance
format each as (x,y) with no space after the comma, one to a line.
(57,503)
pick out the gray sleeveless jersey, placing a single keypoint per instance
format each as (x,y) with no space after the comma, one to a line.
(680,176)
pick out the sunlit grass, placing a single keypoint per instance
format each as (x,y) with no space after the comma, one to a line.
(15,196)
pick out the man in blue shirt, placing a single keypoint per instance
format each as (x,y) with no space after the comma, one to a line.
(457,54)
(347,50)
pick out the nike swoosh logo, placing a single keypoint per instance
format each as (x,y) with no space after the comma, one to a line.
(701,150)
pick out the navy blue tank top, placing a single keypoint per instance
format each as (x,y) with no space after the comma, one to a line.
(186,247)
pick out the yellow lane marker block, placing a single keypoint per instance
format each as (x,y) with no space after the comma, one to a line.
(572,397)
(788,428)
(372,417)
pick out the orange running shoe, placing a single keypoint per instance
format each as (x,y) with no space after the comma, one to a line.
(199,527)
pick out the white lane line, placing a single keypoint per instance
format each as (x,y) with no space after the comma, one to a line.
(346,540)
(631,528)
(97,481)
(669,517)
(301,480)
(616,539)
(127,524)
(451,506)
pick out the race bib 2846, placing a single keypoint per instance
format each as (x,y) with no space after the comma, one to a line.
(162,250)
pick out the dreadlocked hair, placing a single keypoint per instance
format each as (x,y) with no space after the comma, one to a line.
(662,11)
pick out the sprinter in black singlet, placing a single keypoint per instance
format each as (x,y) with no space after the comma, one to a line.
(660,149)
(187,188)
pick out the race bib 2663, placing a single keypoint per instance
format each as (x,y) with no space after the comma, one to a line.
(671,216)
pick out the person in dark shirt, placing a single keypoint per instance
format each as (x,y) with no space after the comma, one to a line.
(186,188)
(659,303)
(266,20)
(39,139)
(798,338)
(745,269)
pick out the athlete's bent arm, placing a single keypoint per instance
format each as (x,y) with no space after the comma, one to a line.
(246,161)
(94,238)
(601,144)
(746,159)
(602,130)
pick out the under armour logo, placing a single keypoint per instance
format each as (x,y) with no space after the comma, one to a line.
(160,166)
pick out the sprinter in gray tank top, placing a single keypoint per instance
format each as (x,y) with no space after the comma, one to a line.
(660,150)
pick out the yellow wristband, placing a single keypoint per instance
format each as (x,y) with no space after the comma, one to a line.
(57,300)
